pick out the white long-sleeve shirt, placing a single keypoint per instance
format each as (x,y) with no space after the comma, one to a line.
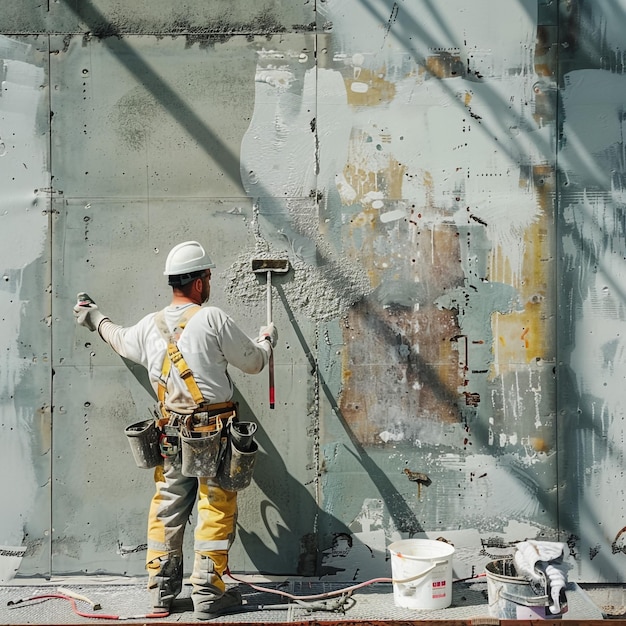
(209,343)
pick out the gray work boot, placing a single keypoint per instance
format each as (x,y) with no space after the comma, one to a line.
(206,606)
(166,584)
(162,599)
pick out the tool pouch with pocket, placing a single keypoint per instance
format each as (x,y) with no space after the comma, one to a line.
(201,450)
(143,438)
(237,464)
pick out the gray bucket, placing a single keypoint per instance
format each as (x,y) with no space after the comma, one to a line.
(201,452)
(143,438)
(512,596)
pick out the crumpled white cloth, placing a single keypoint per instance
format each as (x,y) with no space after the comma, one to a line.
(541,562)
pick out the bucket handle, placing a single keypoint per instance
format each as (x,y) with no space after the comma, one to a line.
(420,575)
(528,601)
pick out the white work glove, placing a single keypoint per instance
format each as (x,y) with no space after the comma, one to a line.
(525,558)
(533,559)
(86,312)
(557,580)
(268,333)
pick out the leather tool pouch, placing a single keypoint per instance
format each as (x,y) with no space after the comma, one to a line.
(237,465)
(201,448)
(143,438)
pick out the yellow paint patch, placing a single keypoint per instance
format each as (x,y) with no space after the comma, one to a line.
(540,444)
(387,180)
(366,218)
(520,336)
(525,335)
(369,88)
(395,178)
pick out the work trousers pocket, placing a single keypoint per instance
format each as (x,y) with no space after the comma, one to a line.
(237,466)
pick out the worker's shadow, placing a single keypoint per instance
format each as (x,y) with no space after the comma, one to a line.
(288,513)
(303,533)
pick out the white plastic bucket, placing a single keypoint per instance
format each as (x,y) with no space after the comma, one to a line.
(421,571)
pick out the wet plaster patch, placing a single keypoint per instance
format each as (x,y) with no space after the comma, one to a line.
(321,293)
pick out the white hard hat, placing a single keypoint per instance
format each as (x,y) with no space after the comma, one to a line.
(184,259)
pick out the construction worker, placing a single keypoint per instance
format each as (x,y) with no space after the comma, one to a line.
(207,341)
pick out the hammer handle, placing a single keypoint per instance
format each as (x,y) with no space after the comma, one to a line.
(270,363)
(269,297)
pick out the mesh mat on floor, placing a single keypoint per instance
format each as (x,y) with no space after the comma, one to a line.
(371,603)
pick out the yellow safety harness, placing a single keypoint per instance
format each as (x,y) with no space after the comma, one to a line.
(174,356)
(203,437)
(213,414)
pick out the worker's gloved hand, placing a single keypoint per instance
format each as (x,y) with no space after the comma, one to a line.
(269,333)
(557,579)
(541,563)
(525,558)
(86,312)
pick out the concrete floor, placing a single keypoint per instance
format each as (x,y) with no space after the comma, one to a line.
(373,603)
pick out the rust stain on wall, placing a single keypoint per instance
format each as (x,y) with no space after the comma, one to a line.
(417,378)
(545,50)
(444,65)
(398,363)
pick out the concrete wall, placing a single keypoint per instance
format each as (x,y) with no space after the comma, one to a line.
(446,179)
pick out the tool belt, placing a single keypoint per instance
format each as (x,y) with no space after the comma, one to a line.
(204,418)
(210,443)
(207,418)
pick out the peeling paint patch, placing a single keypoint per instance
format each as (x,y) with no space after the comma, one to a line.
(368,87)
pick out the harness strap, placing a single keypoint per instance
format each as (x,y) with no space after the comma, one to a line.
(175,357)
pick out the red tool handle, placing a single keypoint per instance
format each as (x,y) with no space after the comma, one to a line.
(270,365)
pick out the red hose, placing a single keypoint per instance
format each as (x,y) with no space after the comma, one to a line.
(76,610)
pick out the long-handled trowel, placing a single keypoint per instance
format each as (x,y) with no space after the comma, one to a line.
(267,267)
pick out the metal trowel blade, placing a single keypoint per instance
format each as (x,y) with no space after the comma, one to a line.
(277,266)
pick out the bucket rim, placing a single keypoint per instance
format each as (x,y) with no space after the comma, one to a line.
(396,547)
(503,577)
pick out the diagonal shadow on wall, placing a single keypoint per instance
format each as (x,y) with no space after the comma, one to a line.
(213,146)
(404,29)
